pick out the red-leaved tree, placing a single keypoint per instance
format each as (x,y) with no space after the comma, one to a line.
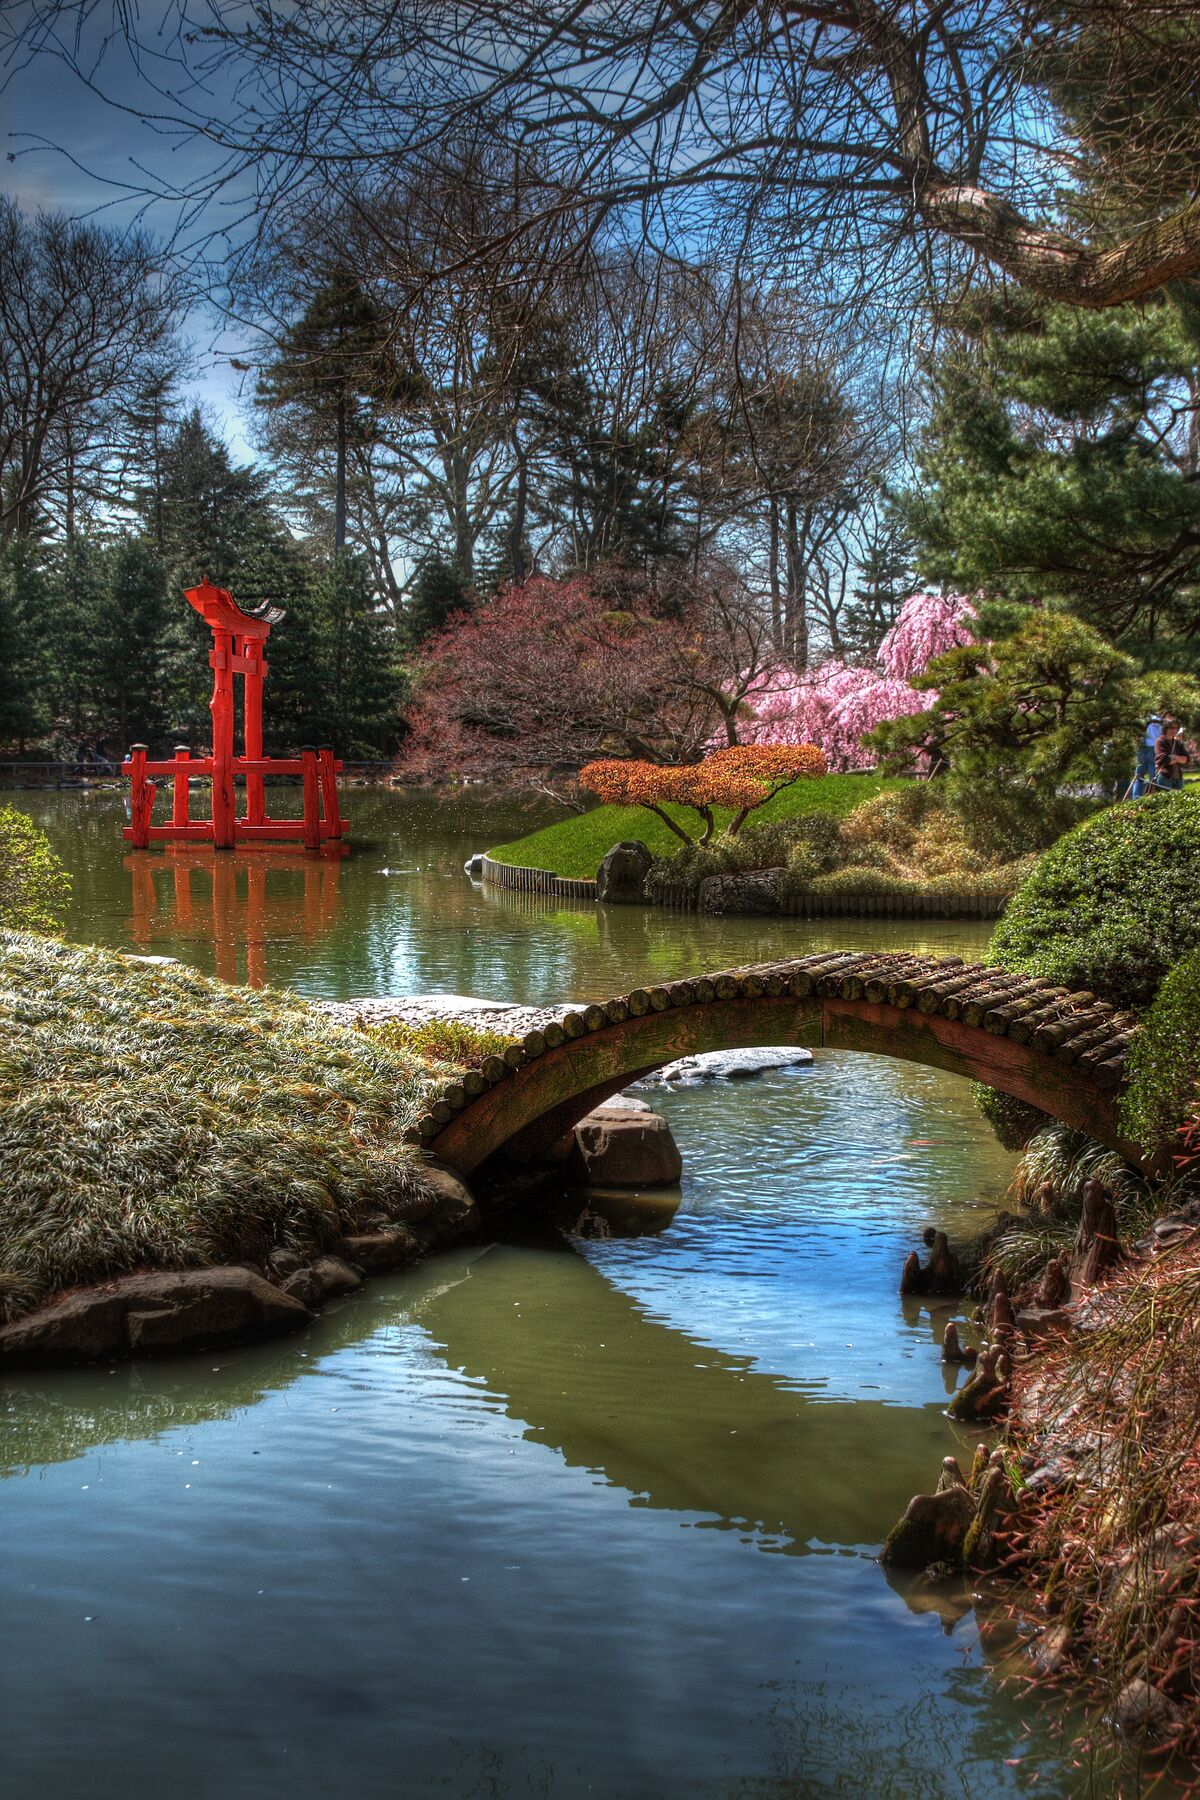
(553,674)
(742,778)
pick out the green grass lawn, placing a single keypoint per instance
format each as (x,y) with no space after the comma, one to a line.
(575,847)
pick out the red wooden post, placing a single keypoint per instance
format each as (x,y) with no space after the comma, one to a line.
(312,798)
(179,797)
(141,797)
(329,796)
(221,707)
(252,700)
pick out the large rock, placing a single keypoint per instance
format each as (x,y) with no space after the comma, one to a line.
(619,1149)
(752,895)
(379,1252)
(336,1276)
(177,1310)
(621,877)
(726,1065)
(455,1213)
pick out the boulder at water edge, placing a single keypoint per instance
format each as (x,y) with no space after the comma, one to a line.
(621,877)
(614,1148)
(172,1311)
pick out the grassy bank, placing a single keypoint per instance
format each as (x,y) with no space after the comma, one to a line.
(151,1118)
(575,847)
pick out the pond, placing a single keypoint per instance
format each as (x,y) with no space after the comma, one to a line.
(547,1515)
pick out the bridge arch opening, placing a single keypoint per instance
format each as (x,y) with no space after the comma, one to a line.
(1062,1053)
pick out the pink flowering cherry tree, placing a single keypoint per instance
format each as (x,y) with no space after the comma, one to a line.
(835,704)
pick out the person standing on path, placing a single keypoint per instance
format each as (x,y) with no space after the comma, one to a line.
(1143,780)
(1171,756)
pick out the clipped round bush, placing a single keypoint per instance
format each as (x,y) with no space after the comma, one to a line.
(34,885)
(1164,1060)
(1113,905)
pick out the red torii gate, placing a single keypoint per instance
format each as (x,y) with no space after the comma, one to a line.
(238,642)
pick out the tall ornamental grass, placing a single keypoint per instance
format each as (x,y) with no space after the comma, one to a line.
(152,1118)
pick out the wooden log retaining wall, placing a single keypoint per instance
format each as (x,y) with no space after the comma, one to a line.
(919,904)
(537,881)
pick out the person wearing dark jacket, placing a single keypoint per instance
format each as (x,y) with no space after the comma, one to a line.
(1171,756)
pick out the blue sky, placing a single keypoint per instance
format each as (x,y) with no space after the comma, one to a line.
(66,149)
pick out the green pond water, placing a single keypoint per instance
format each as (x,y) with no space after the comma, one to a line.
(545,1516)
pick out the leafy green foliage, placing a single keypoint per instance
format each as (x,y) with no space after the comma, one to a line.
(1005,821)
(1112,905)
(34,885)
(1164,1060)
(1014,1121)
(1049,704)
(1050,469)
(151,1118)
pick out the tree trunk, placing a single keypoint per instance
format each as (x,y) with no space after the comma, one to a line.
(797,614)
(516,535)
(776,593)
(339,499)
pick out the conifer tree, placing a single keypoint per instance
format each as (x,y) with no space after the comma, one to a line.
(1061,466)
(24,659)
(319,383)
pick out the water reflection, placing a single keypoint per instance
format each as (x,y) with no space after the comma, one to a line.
(408,921)
(535,1331)
(243,906)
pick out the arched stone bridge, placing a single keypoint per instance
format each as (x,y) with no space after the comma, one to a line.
(1062,1052)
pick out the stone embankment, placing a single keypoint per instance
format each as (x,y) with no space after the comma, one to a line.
(188,1309)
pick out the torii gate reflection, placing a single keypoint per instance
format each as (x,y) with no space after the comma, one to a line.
(257,900)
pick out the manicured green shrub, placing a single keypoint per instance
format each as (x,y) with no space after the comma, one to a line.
(767,844)
(684,873)
(34,885)
(1164,1060)
(911,832)
(1004,821)
(891,819)
(1112,905)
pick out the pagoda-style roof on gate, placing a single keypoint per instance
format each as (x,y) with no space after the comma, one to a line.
(219,609)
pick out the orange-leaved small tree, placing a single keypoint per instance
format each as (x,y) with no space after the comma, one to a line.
(743,778)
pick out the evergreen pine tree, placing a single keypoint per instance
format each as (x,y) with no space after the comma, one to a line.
(126,662)
(326,366)
(436,595)
(24,653)
(1057,468)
